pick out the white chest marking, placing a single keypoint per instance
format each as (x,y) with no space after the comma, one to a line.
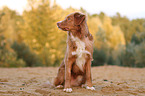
(80,52)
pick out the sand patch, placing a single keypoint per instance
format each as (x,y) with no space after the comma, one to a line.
(108,80)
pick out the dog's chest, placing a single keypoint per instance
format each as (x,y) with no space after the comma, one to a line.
(80,52)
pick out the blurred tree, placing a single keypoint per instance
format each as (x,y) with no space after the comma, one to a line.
(24,53)
(128,57)
(8,57)
(9,21)
(138,38)
(41,32)
(114,35)
(101,16)
(45,42)
(140,55)
(99,57)
(128,27)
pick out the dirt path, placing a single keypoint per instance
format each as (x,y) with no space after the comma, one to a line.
(108,80)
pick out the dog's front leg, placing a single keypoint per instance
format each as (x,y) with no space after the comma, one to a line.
(68,66)
(88,75)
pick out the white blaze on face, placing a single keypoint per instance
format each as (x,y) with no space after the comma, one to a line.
(80,52)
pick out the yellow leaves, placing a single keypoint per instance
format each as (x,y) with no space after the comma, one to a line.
(105,34)
(47,45)
(93,24)
(107,25)
(116,37)
(37,28)
(52,57)
(52,50)
(34,40)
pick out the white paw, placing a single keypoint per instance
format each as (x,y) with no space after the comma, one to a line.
(90,88)
(59,86)
(68,90)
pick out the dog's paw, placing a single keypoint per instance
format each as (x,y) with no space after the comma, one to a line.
(59,87)
(68,90)
(90,88)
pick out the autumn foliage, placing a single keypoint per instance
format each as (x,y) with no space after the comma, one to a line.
(33,39)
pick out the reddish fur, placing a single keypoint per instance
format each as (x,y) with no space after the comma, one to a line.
(69,73)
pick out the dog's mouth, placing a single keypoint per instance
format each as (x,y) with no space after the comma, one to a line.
(65,29)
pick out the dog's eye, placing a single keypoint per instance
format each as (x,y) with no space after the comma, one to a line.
(68,18)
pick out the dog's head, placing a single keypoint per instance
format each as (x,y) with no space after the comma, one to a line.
(72,22)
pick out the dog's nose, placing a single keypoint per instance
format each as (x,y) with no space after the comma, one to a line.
(58,23)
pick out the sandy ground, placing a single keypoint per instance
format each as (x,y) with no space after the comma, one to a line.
(108,81)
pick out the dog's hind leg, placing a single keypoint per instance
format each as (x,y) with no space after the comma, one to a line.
(59,80)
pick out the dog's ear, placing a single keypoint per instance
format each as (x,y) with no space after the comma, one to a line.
(79,18)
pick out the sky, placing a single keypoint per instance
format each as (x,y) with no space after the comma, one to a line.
(131,8)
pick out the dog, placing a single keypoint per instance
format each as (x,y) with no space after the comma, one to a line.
(75,70)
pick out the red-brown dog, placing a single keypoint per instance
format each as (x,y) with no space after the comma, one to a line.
(75,69)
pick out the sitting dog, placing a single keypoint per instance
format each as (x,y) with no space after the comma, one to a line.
(75,69)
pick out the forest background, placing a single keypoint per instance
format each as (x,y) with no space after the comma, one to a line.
(33,39)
